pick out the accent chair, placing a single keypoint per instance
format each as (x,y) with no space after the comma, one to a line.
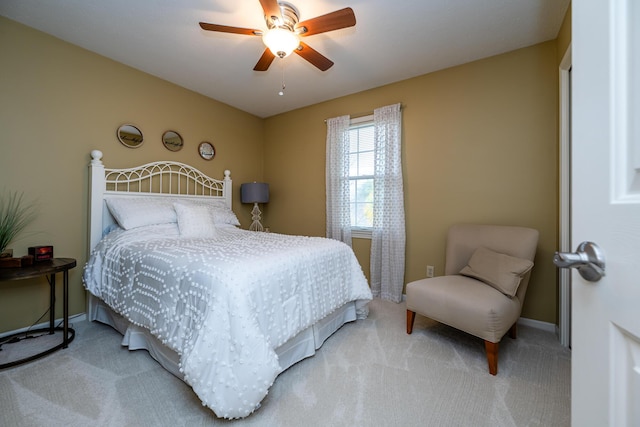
(487,271)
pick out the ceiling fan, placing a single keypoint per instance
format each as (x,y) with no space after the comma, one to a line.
(285,29)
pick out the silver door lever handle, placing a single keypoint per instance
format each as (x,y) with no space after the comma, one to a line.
(588,259)
(570,259)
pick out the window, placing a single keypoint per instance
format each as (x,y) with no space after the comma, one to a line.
(365,196)
(361,172)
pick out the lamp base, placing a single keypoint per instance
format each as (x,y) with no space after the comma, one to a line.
(256,216)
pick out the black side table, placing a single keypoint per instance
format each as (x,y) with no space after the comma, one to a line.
(39,269)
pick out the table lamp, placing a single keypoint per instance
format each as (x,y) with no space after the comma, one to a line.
(255,192)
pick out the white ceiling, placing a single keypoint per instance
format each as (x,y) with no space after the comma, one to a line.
(392,41)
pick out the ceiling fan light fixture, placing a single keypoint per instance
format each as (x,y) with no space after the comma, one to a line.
(281,42)
(285,32)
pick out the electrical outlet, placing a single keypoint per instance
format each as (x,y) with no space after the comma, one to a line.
(430,271)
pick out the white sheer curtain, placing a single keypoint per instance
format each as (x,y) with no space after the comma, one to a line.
(388,236)
(337,176)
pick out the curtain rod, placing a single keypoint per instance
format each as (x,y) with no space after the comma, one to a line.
(358,115)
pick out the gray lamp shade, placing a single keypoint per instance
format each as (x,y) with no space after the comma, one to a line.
(254,192)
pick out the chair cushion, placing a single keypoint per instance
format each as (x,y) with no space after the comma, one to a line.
(464,303)
(503,272)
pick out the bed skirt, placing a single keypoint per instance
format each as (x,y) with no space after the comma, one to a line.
(297,348)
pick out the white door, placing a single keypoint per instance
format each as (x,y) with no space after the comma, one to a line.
(606,210)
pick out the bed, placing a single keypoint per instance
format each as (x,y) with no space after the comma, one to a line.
(224,309)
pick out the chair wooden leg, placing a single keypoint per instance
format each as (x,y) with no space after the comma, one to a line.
(411,317)
(513,332)
(492,356)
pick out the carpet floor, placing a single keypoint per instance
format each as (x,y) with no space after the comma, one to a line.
(369,373)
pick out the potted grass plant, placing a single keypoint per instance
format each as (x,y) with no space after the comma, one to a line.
(15,215)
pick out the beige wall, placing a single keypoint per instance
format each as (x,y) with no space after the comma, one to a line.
(57,103)
(479,145)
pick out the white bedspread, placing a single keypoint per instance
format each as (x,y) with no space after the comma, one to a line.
(224,305)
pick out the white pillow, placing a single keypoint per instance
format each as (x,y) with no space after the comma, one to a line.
(224,215)
(221,213)
(195,220)
(132,212)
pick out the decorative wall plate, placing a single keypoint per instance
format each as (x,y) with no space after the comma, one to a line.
(130,136)
(172,140)
(206,150)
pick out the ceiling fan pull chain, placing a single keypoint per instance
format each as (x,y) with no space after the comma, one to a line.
(281,93)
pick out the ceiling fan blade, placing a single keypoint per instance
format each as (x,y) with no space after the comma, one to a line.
(227,29)
(314,57)
(342,18)
(271,8)
(265,60)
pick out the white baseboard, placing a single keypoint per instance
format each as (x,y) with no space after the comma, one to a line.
(75,318)
(545,326)
(538,324)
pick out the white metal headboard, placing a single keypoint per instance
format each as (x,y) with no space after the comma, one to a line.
(156,179)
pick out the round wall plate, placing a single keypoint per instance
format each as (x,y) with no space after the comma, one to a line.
(130,136)
(172,140)
(206,150)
